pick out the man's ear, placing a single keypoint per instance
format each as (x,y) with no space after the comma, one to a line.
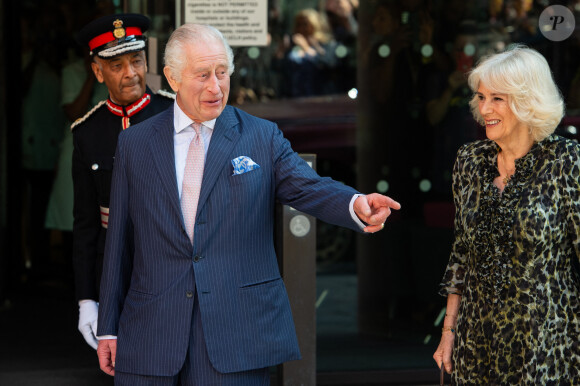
(97,71)
(172,82)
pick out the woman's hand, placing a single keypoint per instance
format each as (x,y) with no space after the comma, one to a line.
(443,353)
(302,42)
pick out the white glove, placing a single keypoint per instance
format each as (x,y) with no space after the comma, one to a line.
(88,314)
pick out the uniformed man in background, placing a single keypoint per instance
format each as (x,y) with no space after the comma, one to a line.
(117,45)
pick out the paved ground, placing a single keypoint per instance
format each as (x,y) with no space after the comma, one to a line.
(341,348)
(41,346)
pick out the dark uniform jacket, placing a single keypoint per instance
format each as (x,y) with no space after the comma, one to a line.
(95,142)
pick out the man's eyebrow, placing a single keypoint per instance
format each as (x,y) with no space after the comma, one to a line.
(201,69)
(209,67)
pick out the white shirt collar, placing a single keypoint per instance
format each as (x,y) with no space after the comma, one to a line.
(181,121)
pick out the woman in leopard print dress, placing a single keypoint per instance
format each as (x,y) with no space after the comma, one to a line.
(512,282)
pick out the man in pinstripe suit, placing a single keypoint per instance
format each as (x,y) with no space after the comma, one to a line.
(213,311)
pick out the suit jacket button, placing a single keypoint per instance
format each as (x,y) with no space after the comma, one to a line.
(95,166)
(189,294)
(195,258)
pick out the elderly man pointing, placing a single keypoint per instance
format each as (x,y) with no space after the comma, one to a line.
(193,293)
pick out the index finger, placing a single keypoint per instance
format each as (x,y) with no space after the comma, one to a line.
(393,204)
(379,200)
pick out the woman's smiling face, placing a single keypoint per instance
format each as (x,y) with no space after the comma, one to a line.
(501,124)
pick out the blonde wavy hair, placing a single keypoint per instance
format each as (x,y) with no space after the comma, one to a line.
(320,27)
(524,75)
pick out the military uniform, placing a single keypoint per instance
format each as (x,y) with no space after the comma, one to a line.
(95,141)
(94,144)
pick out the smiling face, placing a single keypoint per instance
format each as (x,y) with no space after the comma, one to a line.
(501,124)
(123,75)
(204,87)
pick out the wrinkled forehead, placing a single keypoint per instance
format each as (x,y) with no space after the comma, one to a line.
(207,53)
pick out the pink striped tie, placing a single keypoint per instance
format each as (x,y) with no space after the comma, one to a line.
(192,179)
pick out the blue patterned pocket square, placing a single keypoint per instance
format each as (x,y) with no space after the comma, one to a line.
(243,164)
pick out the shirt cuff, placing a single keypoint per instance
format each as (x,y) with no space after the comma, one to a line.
(353,214)
(103,337)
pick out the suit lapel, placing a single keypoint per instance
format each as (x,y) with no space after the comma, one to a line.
(163,154)
(225,135)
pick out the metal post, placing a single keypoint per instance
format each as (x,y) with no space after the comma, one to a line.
(296,248)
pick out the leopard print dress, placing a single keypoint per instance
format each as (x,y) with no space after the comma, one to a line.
(514,262)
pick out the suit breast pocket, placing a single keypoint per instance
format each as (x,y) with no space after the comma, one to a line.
(250,177)
(246,189)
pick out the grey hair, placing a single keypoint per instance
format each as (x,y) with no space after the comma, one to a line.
(524,75)
(191,33)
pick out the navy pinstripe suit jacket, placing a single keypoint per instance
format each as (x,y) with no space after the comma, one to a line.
(151,269)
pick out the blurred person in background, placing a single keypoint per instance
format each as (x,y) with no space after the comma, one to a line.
(447,109)
(42,131)
(80,92)
(309,56)
(342,20)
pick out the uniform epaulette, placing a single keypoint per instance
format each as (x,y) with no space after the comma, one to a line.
(166,94)
(87,115)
